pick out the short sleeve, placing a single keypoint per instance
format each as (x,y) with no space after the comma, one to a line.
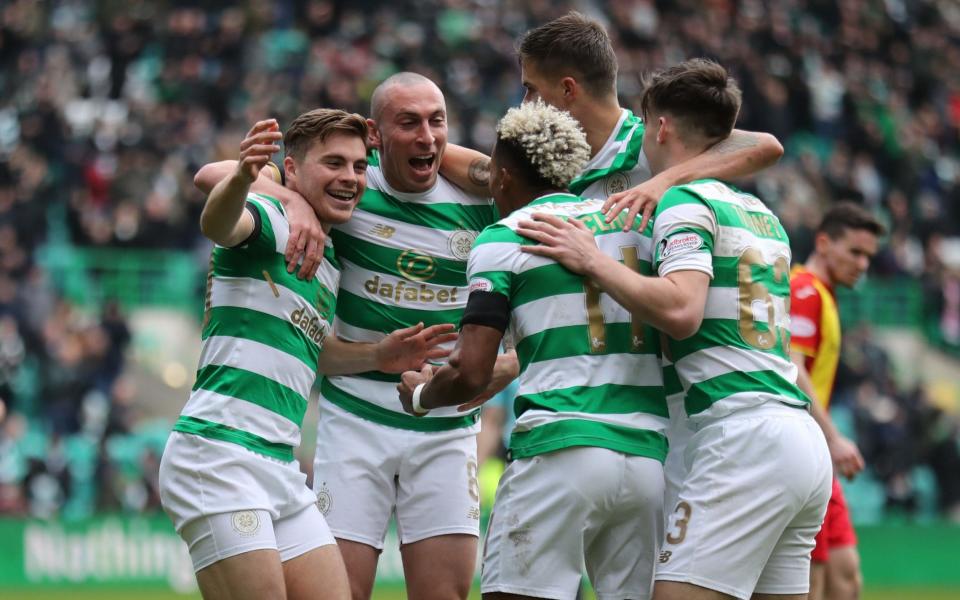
(684,230)
(805,312)
(489,266)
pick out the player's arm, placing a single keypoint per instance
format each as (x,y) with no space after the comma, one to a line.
(306,232)
(741,154)
(673,304)
(403,350)
(468,169)
(470,368)
(844,453)
(224,219)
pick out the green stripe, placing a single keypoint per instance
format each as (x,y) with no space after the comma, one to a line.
(726,273)
(577,432)
(238,263)
(256,389)
(761,223)
(445,216)
(722,333)
(384,260)
(625,160)
(224,433)
(702,396)
(671,381)
(378,414)
(331,257)
(386,318)
(373,157)
(574,340)
(610,398)
(261,327)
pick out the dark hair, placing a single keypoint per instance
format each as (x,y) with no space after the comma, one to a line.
(698,93)
(316,125)
(573,44)
(843,216)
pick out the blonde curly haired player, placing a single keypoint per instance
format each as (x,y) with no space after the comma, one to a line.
(586,482)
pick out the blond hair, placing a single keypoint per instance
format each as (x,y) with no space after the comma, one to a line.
(547,141)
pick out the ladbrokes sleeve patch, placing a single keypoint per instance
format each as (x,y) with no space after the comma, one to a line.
(679,243)
(479,284)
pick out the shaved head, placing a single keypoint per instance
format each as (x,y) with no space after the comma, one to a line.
(403,79)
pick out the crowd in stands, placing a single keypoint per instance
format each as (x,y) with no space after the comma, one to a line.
(108,108)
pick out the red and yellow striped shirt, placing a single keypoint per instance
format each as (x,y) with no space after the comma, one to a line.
(815,330)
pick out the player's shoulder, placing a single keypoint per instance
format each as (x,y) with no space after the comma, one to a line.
(266,203)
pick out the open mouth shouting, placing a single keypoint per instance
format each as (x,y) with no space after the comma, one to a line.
(422,164)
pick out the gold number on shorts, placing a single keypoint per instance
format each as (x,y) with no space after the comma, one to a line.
(473,486)
(596,327)
(678,532)
(753,292)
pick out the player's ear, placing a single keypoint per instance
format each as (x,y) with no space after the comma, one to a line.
(570,88)
(290,170)
(373,136)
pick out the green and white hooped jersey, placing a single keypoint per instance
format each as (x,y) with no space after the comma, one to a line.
(740,357)
(619,165)
(404,259)
(262,335)
(589,373)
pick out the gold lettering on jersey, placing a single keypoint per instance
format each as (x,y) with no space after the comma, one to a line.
(402,292)
(313,327)
(383,231)
(760,224)
(416,265)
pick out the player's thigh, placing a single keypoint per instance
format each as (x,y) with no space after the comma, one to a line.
(779,597)
(675,590)
(254,575)
(361,563)
(440,567)
(354,471)
(544,505)
(843,581)
(318,574)
(437,488)
(620,551)
(312,565)
(818,579)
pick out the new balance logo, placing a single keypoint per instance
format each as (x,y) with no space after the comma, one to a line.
(383,231)
(665,556)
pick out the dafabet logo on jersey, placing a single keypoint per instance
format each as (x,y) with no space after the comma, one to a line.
(401,291)
(313,327)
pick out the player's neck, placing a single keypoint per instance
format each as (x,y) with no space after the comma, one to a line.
(598,117)
(528,195)
(816,266)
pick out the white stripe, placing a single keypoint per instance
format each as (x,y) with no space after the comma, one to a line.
(571,207)
(744,400)
(404,236)
(562,310)
(503,256)
(535,418)
(724,303)
(349,333)
(242,415)
(328,276)
(258,358)
(715,190)
(385,395)
(278,222)
(394,291)
(733,241)
(443,192)
(683,216)
(712,362)
(256,294)
(590,371)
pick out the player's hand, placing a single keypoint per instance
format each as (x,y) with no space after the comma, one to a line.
(257,148)
(306,239)
(569,242)
(639,199)
(408,349)
(505,370)
(846,457)
(408,382)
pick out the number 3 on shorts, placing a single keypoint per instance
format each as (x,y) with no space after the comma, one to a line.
(681,518)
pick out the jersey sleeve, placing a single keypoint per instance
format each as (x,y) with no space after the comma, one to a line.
(684,230)
(267,215)
(806,307)
(489,268)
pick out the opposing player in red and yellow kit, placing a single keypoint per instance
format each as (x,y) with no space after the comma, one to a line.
(845,242)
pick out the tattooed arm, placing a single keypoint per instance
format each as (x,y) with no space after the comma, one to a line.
(467,169)
(741,154)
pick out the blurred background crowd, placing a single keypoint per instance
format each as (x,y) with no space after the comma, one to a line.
(108,107)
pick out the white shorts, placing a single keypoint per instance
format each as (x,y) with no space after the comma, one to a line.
(558,511)
(679,433)
(364,471)
(225,500)
(756,491)
(214,538)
